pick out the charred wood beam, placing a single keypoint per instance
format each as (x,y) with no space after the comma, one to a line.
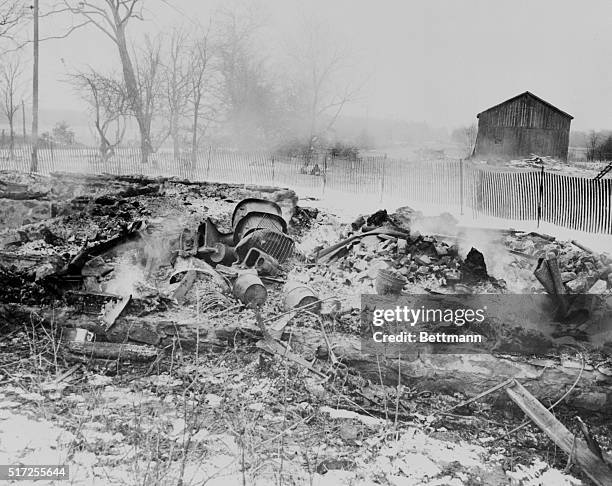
(24,196)
(92,302)
(595,467)
(118,351)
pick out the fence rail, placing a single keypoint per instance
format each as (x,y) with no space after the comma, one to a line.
(456,185)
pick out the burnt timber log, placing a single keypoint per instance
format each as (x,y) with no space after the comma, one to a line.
(547,379)
(118,351)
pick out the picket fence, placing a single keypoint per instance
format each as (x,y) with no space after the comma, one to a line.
(455,185)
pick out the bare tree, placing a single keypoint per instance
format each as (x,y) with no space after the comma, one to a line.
(247,96)
(201,87)
(593,141)
(11,12)
(323,76)
(469,136)
(148,65)
(176,78)
(10,94)
(107,100)
(112,18)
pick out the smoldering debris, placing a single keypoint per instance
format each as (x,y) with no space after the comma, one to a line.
(129,240)
(106,247)
(140,271)
(130,265)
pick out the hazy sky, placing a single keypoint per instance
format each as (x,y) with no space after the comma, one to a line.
(439,61)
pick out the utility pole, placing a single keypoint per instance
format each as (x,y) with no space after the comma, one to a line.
(34,164)
(23,120)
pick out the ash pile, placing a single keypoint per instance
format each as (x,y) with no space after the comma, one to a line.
(385,254)
(577,267)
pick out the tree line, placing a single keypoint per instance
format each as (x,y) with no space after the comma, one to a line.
(209,79)
(598,145)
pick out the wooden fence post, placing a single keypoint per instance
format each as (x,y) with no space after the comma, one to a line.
(540,196)
(461,184)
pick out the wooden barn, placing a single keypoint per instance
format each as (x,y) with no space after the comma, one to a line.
(521,126)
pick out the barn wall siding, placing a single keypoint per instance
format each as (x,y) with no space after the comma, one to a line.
(523,126)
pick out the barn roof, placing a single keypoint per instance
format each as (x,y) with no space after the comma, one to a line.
(530,94)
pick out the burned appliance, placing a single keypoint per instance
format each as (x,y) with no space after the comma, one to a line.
(257,224)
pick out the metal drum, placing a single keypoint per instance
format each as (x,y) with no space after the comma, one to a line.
(299,295)
(249,289)
(389,283)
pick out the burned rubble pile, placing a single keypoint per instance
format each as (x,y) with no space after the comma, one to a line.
(185,266)
(50,225)
(119,259)
(580,269)
(387,254)
(122,253)
(384,254)
(380,250)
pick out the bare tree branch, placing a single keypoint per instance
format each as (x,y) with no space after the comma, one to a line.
(11,13)
(322,77)
(108,103)
(176,74)
(202,84)
(10,94)
(111,17)
(248,98)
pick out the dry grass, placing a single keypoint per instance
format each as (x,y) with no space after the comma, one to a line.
(239,417)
